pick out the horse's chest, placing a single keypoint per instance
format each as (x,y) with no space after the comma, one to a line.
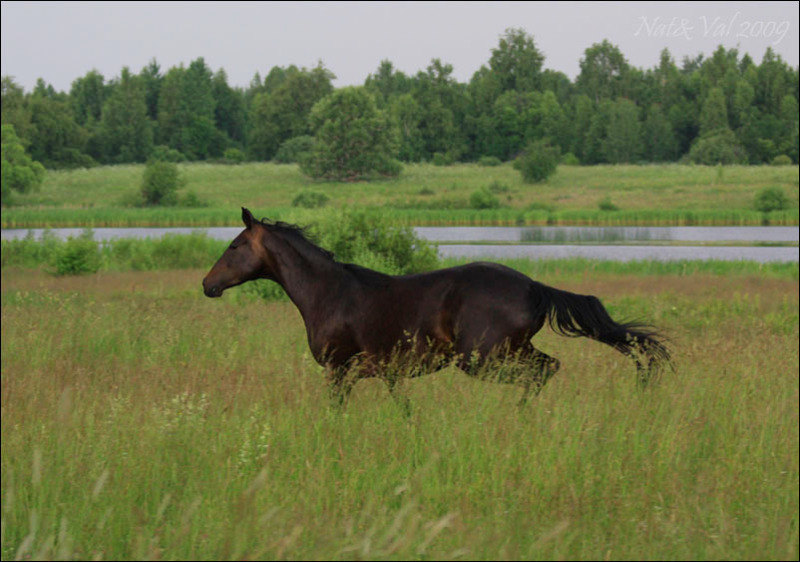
(331,344)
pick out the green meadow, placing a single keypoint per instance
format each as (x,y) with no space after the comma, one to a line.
(669,194)
(141,420)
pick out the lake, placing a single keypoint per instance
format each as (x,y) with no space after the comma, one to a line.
(602,243)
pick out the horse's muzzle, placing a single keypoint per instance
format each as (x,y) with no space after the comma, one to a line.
(212,291)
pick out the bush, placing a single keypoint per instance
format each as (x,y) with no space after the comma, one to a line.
(78,256)
(570,159)
(497,187)
(160,182)
(370,242)
(538,162)
(717,148)
(29,252)
(771,199)
(309,199)
(195,250)
(443,159)
(19,171)
(489,161)
(781,160)
(294,150)
(233,156)
(166,154)
(607,205)
(391,167)
(71,159)
(483,199)
(191,200)
(263,289)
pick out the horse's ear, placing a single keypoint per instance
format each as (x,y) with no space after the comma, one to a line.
(247,218)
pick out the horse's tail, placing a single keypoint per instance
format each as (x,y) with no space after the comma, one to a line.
(576,315)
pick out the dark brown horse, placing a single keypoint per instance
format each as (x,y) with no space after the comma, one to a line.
(359,321)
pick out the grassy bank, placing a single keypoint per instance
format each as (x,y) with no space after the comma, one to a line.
(200,428)
(423,194)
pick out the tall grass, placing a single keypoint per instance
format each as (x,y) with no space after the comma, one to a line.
(142,421)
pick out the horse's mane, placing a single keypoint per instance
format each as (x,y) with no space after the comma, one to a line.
(300,238)
(294,234)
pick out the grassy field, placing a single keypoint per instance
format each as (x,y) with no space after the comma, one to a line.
(142,420)
(423,194)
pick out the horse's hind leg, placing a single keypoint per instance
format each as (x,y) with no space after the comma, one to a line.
(542,368)
(393,383)
(525,365)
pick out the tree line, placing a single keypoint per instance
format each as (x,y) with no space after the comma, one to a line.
(725,108)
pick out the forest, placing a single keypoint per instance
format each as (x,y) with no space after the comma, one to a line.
(724,108)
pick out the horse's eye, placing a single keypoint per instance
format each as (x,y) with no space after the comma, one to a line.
(234,245)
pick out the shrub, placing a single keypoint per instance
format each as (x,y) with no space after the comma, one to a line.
(166,154)
(19,171)
(70,159)
(169,252)
(497,187)
(771,199)
(370,242)
(160,182)
(570,159)
(263,289)
(719,147)
(294,149)
(443,159)
(191,200)
(483,199)
(781,160)
(233,156)
(78,256)
(538,161)
(391,167)
(607,205)
(29,252)
(310,199)
(489,161)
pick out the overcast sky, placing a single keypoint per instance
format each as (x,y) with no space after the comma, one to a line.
(63,41)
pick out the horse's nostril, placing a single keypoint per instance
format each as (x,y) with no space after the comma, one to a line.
(213,291)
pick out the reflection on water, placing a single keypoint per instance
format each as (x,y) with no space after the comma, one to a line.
(563,234)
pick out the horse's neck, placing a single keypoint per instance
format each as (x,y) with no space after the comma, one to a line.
(307,277)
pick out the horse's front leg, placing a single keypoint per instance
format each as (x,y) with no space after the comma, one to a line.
(339,385)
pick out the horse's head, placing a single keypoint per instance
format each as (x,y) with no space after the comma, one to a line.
(245,259)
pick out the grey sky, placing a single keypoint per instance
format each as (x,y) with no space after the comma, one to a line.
(62,41)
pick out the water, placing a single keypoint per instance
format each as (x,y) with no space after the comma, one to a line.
(484,233)
(610,234)
(106,234)
(608,242)
(621,253)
